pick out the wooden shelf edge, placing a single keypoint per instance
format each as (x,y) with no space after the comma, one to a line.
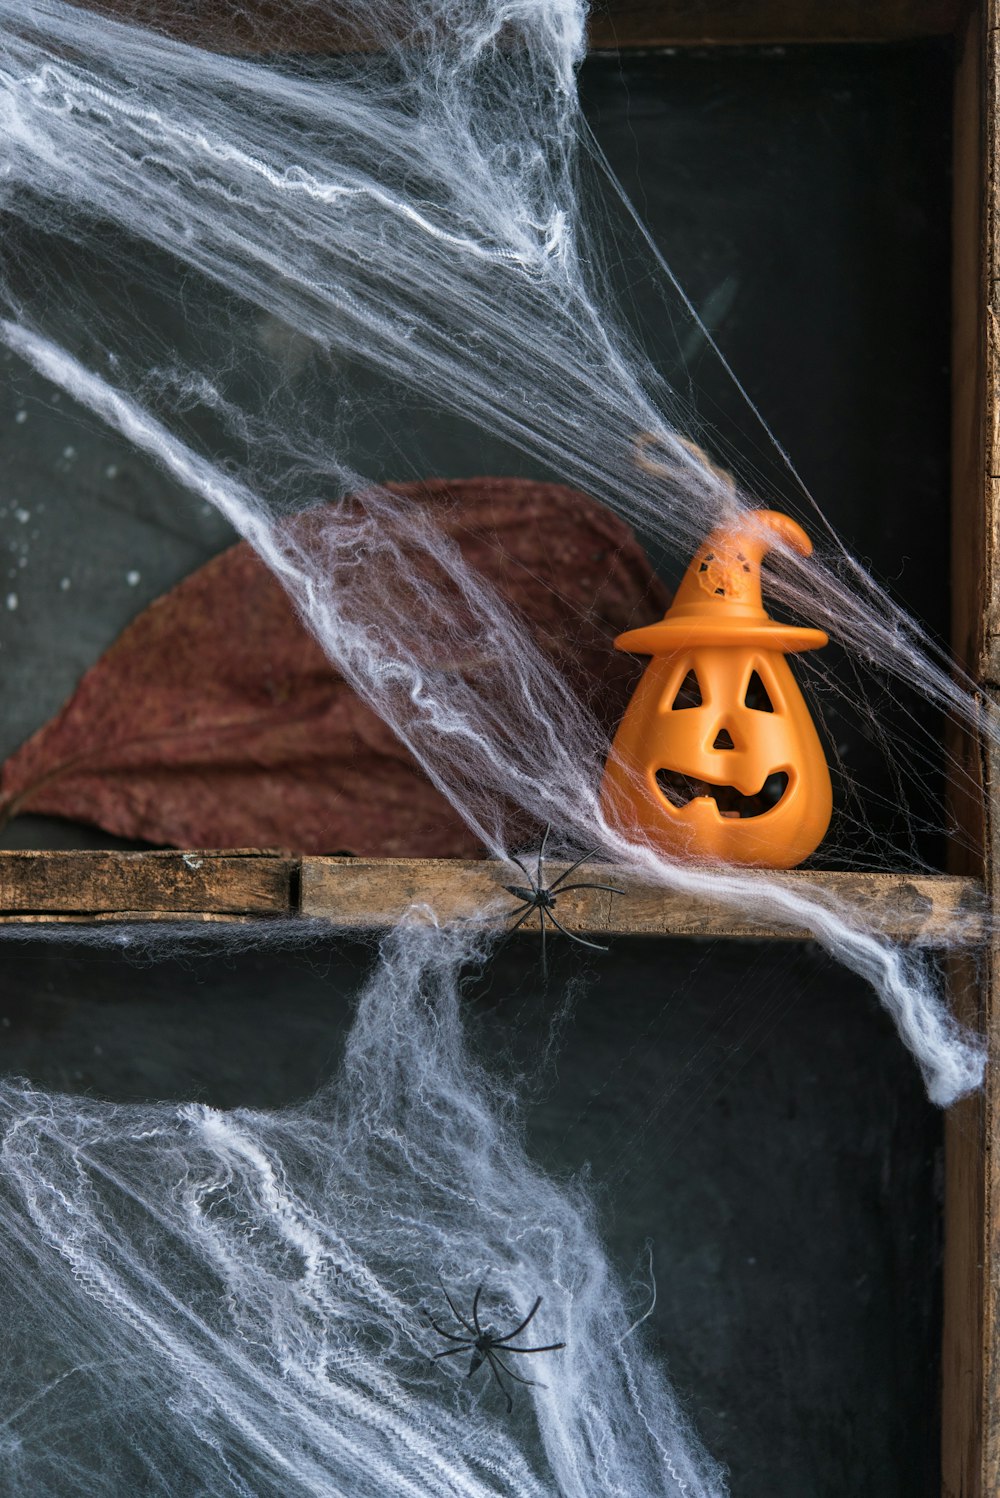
(939,909)
(261,27)
(99,885)
(369,893)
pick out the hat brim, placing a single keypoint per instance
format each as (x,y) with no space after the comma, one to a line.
(672,635)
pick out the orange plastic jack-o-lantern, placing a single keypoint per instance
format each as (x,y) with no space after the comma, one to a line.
(717,755)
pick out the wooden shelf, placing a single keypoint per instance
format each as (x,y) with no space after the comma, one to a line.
(98,886)
(371,893)
(262,26)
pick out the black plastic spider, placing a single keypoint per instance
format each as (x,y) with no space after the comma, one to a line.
(542,898)
(484,1341)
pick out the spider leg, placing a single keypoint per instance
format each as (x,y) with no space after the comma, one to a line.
(541,852)
(513,858)
(528,908)
(442,1333)
(573,866)
(500,1383)
(531,1382)
(454,1311)
(541,927)
(573,936)
(611,889)
(452,1352)
(524,1323)
(552,1347)
(475,1311)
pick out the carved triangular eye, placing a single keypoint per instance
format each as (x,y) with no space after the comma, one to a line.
(688,694)
(756,695)
(723,740)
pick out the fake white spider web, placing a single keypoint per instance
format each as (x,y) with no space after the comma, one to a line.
(237,1302)
(413,210)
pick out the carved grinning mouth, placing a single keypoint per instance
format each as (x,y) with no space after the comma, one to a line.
(679,790)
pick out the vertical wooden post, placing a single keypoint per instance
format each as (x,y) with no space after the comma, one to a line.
(971,1353)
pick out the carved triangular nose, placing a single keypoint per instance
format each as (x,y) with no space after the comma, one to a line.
(723,740)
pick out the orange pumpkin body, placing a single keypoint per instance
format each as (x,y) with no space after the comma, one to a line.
(717,755)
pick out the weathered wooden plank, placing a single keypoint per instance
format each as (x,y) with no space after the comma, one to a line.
(354,893)
(981,364)
(970,1347)
(166,883)
(265,26)
(358,893)
(136,917)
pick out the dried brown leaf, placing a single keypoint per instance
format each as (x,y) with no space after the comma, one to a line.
(216,721)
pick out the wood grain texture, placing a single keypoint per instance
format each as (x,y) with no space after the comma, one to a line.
(359,893)
(145,885)
(249,27)
(932,910)
(984,533)
(976,511)
(970,1348)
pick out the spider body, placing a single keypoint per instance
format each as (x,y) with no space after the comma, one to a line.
(542,897)
(486,1344)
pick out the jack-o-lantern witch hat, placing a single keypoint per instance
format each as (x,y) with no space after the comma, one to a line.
(719,599)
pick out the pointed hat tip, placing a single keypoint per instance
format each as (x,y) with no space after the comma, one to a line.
(775,524)
(719,600)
